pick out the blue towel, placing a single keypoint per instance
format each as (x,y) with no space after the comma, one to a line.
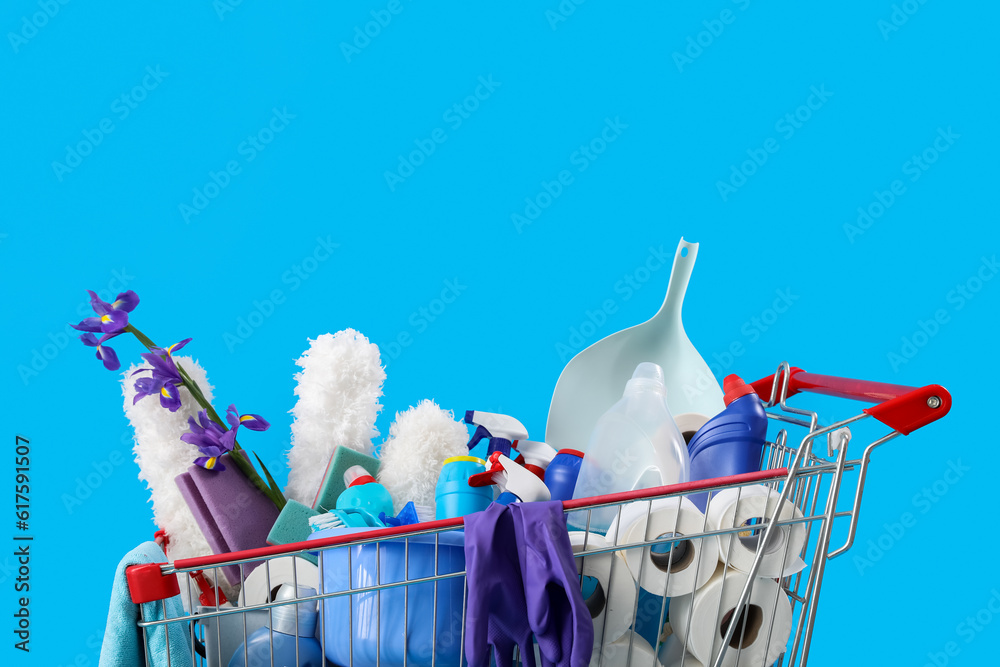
(123,645)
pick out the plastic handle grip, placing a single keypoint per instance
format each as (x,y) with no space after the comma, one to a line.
(901,408)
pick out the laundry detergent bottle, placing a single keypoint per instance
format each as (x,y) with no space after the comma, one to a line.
(635,445)
(730,443)
(364,493)
(291,637)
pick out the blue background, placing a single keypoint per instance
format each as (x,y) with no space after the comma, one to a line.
(684,125)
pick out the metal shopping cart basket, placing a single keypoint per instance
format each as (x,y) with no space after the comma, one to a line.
(395,597)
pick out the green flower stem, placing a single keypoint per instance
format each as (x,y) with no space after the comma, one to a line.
(246,467)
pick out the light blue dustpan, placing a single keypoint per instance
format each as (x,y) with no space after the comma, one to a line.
(595,378)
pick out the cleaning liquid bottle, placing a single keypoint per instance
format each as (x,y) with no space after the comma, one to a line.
(635,445)
(731,442)
(291,625)
(364,493)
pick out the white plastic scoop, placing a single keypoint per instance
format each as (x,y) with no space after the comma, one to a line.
(593,380)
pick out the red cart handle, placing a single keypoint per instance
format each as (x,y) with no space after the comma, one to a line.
(901,408)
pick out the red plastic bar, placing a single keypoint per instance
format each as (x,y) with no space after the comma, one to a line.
(901,408)
(403,531)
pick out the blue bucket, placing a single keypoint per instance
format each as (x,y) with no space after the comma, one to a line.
(430,631)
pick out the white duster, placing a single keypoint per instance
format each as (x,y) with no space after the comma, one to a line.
(162,456)
(338,389)
(419,441)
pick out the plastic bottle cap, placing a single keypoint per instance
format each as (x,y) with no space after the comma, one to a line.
(356,475)
(469,459)
(283,618)
(647,376)
(572,452)
(735,387)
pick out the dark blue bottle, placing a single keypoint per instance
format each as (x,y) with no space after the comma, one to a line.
(731,443)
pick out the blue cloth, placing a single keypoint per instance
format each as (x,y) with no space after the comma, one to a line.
(523,582)
(123,644)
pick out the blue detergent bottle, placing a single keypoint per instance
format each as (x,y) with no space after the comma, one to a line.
(731,443)
(364,493)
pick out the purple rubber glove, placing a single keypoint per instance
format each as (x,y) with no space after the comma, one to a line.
(495,614)
(557,613)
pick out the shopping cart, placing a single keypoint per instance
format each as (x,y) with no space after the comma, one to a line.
(395,597)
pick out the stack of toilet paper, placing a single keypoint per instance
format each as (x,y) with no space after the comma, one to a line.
(693,573)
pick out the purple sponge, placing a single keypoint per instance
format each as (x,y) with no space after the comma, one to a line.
(232,513)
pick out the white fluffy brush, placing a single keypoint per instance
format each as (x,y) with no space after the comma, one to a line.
(162,455)
(338,389)
(419,441)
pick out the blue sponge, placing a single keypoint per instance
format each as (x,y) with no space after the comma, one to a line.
(333,479)
(292,525)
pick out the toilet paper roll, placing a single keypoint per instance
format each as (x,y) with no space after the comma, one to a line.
(616,653)
(701,620)
(691,563)
(689,423)
(614,599)
(277,571)
(672,654)
(756,503)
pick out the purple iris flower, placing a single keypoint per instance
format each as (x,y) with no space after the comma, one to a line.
(104,353)
(252,422)
(111,317)
(164,380)
(211,440)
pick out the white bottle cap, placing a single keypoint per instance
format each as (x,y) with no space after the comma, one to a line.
(647,376)
(354,474)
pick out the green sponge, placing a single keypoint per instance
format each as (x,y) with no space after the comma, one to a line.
(333,479)
(292,525)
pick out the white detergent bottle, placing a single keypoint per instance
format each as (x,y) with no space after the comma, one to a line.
(635,445)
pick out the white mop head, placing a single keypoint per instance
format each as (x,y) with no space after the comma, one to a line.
(419,441)
(338,389)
